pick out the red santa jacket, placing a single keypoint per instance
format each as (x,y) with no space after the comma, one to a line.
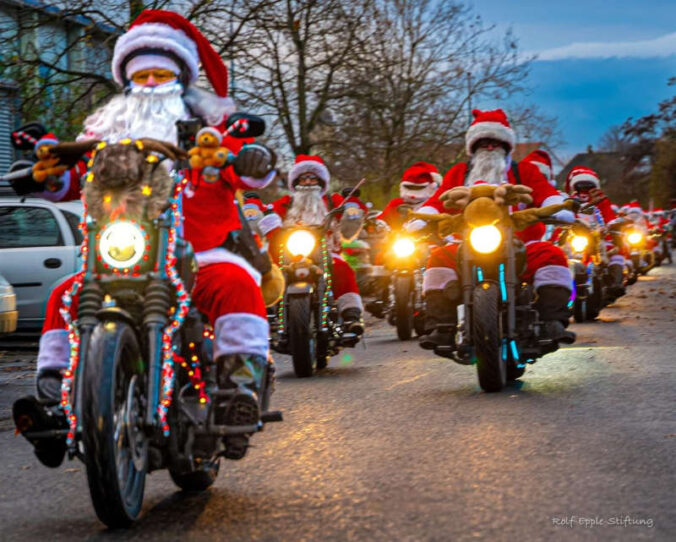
(392,216)
(543,193)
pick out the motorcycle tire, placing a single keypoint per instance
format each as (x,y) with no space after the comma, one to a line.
(197,480)
(404,301)
(580,310)
(595,301)
(115,450)
(322,351)
(302,335)
(491,367)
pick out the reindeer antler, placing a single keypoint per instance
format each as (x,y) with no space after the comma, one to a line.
(512,194)
(457,197)
(71,152)
(165,148)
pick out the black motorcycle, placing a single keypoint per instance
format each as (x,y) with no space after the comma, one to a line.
(305,323)
(140,398)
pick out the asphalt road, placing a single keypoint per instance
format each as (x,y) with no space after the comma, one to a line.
(392,444)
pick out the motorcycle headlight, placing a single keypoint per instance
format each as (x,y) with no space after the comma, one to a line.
(635,238)
(301,243)
(121,244)
(403,247)
(579,242)
(485,239)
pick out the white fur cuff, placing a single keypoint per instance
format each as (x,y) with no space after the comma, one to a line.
(436,278)
(269,222)
(240,333)
(54,350)
(349,300)
(553,275)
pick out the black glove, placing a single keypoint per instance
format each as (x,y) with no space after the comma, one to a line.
(255,160)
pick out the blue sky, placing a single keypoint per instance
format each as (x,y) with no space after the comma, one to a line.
(600,61)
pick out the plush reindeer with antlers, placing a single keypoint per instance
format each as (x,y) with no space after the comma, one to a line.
(125,178)
(484,204)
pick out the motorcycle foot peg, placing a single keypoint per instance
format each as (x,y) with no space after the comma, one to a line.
(349,339)
(272,416)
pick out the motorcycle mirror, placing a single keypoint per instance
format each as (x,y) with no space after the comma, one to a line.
(251,125)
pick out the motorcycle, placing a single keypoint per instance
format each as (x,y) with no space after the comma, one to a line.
(305,323)
(136,396)
(499,330)
(586,259)
(641,258)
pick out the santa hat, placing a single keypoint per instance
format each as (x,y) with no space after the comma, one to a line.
(489,124)
(159,33)
(254,204)
(309,164)
(421,173)
(581,174)
(47,139)
(543,161)
(210,130)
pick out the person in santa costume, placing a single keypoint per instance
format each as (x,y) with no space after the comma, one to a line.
(541,159)
(156,63)
(489,143)
(308,204)
(418,183)
(584,184)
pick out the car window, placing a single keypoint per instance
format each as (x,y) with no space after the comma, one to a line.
(26,226)
(74,223)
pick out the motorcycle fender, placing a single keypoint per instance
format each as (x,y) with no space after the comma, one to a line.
(300,288)
(117,314)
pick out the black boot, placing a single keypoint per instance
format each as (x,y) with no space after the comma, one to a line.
(243,373)
(616,288)
(552,306)
(352,321)
(48,383)
(441,318)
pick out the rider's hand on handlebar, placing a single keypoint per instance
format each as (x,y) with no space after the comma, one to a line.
(255,160)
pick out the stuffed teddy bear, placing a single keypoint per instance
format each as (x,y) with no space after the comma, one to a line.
(208,152)
(47,165)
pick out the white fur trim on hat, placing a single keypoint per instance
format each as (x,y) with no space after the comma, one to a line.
(147,62)
(584,177)
(493,130)
(46,141)
(553,275)
(349,300)
(155,36)
(310,166)
(211,130)
(436,278)
(54,350)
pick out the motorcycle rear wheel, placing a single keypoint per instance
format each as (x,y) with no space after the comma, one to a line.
(491,367)
(302,335)
(580,310)
(115,445)
(404,301)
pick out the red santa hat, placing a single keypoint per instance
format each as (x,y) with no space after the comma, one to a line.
(543,161)
(166,39)
(421,173)
(489,124)
(47,139)
(309,164)
(581,174)
(213,131)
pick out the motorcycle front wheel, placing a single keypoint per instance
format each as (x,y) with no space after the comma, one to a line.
(404,301)
(115,445)
(302,339)
(491,367)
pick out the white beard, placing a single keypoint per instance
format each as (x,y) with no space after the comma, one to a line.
(489,166)
(138,113)
(417,196)
(307,208)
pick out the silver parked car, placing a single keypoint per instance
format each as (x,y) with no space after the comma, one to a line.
(8,312)
(39,247)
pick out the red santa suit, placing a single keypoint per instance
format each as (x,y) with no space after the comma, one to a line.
(345,289)
(227,288)
(603,213)
(546,263)
(417,184)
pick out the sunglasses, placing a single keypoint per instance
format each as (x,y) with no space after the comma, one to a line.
(159,75)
